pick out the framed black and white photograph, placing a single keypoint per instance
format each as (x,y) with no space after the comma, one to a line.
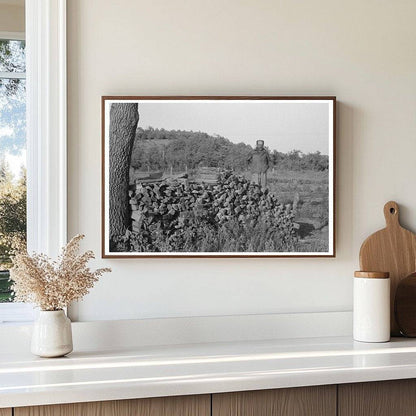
(218,176)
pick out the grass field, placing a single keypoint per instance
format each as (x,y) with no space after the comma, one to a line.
(310,191)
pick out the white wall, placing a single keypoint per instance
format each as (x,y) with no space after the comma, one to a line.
(361,51)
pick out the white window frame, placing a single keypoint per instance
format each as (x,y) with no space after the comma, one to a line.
(46,128)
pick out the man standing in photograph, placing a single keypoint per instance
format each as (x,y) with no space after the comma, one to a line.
(259,162)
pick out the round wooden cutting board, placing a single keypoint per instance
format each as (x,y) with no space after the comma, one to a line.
(393,250)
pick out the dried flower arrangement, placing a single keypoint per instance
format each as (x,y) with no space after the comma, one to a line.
(53,285)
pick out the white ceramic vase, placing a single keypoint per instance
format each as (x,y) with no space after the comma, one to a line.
(52,334)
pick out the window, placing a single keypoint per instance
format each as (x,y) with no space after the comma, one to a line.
(44,92)
(12,153)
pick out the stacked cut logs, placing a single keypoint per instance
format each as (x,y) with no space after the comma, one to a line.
(171,205)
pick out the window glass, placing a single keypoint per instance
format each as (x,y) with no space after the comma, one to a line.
(12,157)
(12,56)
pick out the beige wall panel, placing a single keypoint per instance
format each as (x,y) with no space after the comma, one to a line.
(12,18)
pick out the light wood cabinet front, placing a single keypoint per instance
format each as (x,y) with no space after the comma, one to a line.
(163,406)
(380,398)
(301,401)
(383,398)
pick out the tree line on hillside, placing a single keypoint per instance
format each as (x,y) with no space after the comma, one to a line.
(160,149)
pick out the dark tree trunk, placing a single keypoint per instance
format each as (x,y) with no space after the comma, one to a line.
(123,123)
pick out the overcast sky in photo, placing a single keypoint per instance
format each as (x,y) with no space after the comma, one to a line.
(284,126)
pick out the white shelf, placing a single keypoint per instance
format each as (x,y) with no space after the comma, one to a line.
(151,371)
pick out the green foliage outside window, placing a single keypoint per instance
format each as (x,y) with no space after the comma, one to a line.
(12,145)
(12,223)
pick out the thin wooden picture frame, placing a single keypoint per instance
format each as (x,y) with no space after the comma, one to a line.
(151,102)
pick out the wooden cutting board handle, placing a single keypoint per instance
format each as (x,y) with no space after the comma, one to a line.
(391,214)
(393,250)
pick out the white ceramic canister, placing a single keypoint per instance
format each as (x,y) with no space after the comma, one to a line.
(371,313)
(52,334)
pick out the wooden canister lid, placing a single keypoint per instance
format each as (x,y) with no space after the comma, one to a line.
(372,275)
